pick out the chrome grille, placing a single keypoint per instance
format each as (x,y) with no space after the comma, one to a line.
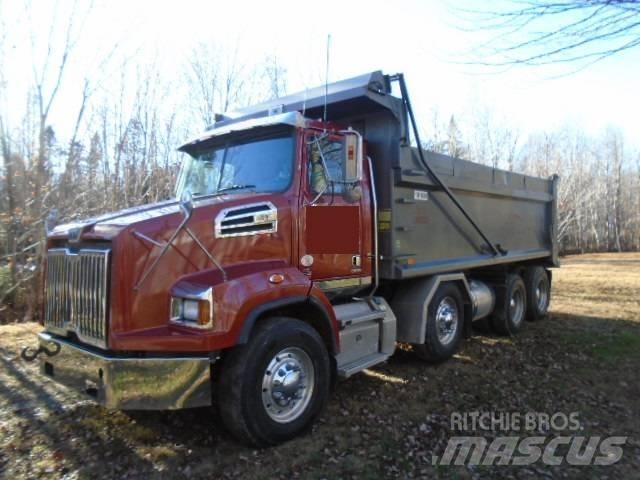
(76,293)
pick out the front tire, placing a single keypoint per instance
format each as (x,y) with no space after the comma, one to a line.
(273,388)
(445,322)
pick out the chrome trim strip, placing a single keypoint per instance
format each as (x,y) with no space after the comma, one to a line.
(128,383)
(342,283)
(268,217)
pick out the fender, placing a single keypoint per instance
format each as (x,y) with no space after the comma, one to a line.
(412,302)
(250,319)
(242,300)
(291,302)
(237,305)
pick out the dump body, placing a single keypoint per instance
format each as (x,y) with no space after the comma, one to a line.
(427,234)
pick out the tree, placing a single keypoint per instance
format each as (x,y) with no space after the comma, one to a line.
(455,144)
(537,32)
(275,76)
(220,79)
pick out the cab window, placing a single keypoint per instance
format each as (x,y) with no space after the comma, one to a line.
(329,180)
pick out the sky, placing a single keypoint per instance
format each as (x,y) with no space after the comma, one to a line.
(423,39)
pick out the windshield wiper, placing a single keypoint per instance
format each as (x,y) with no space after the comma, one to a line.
(221,191)
(235,187)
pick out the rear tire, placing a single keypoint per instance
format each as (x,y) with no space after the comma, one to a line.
(445,323)
(538,286)
(511,306)
(273,388)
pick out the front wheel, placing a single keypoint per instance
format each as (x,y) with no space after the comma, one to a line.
(273,388)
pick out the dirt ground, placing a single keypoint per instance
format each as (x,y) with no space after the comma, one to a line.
(386,422)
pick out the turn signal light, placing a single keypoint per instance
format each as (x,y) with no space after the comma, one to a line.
(204,313)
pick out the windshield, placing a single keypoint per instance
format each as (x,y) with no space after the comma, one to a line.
(263,165)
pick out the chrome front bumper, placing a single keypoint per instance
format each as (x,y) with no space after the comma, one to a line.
(127,383)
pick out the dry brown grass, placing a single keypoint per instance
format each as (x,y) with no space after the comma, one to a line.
(384,423)
(599,285)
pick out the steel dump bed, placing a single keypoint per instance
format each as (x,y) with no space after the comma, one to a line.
(425,233)
(420,229)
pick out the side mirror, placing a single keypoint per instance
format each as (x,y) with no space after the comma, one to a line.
(352,156)
(352,166)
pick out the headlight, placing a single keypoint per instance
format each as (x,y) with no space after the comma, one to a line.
(193,311)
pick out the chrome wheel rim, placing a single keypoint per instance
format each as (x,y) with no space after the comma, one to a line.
(542,296)
(287,385)
(447,320)
(516,306)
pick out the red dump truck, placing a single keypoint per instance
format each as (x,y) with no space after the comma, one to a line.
(308,236)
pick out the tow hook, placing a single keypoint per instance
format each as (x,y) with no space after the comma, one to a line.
(29,354)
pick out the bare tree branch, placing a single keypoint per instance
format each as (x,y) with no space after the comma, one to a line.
(542,32)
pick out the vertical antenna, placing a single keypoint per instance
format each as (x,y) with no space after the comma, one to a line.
(326,77)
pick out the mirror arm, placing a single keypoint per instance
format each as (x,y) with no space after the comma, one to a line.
(206,252)
(187,210)
(187,215)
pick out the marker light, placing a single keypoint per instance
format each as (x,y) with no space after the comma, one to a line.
(276,278)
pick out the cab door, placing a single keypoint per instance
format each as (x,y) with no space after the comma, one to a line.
(333,239)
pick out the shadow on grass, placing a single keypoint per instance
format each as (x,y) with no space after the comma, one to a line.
(60,426)
(199,430)
(606,339)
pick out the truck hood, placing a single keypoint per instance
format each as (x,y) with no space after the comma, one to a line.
(109,225)
(142,273)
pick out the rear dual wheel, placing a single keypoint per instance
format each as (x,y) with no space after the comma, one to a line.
(538,285)
(511,306)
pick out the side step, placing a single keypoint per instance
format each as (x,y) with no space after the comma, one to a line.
(367,334)
(355,318)
(345,371)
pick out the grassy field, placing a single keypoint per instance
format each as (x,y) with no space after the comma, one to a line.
(386,422)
